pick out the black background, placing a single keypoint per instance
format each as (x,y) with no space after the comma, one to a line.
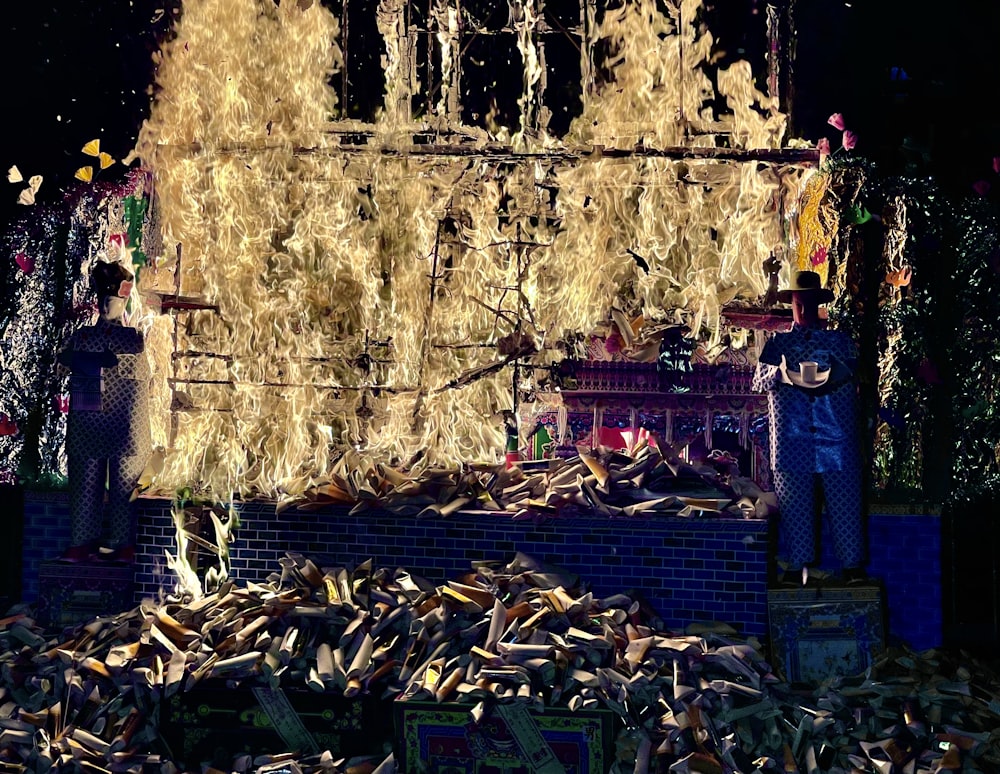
(74,70)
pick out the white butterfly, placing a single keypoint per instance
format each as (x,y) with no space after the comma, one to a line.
(14,175)
(27,195)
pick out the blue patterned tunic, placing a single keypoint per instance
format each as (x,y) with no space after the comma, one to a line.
(812,430)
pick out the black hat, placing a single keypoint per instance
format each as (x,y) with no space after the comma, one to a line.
(806,282)
(106,278)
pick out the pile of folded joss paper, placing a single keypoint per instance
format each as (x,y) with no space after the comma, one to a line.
(88,698)
(649,479)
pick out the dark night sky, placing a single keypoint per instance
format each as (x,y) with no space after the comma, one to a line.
(75,70)
(78,70)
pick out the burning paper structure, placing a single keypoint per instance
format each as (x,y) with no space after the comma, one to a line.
(613,484)
(373,284)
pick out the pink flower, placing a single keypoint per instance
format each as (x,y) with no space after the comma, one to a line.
(26,263)
(819,256)
(836,121)
(996,164)
(823,146)
(120,240)
(62,404)
(981,187)
(849,140)
(7,425)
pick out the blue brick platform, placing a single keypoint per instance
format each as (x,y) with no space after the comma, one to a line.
(688,570)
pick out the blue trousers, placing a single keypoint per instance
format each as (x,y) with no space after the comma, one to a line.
(798,515)
(87,480)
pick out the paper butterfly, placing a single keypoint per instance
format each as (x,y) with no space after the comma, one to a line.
(93,148)
(27,196)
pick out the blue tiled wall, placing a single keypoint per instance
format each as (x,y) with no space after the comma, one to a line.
(905,553)
(46,533)
(687,569)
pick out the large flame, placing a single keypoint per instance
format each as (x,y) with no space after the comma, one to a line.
(358,282)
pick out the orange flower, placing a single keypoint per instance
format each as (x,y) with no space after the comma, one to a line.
(900,278)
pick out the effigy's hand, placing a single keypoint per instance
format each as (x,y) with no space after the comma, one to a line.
(783,370)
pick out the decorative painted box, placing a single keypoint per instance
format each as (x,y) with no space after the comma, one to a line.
(817,633)
(443,738)
(74,592)
(213,723)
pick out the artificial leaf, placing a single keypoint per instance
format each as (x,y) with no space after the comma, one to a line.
(858,214)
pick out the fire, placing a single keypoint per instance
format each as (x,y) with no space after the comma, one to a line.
(356,284)
(202,561)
